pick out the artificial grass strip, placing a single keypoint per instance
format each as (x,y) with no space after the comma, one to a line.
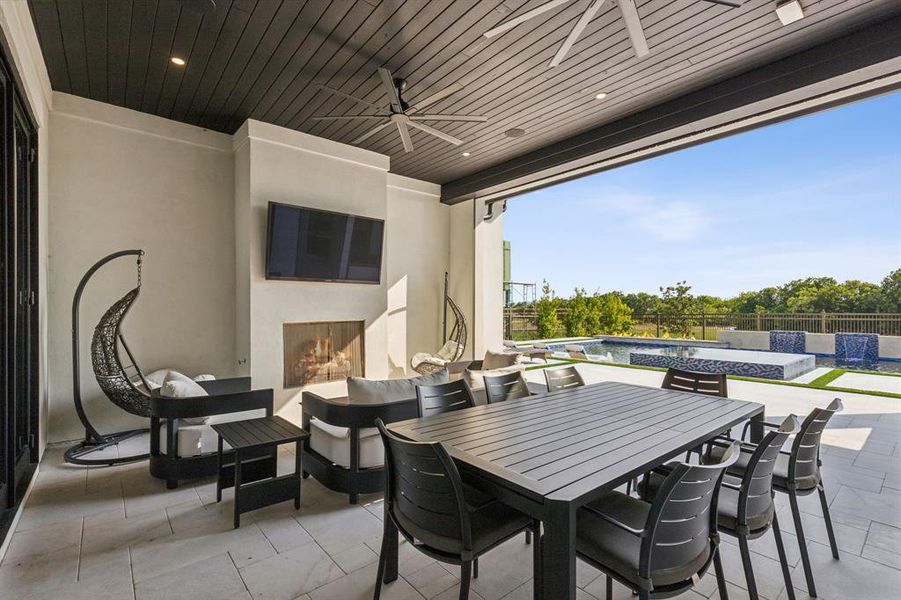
(826,378)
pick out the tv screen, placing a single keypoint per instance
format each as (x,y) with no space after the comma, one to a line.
(317,245)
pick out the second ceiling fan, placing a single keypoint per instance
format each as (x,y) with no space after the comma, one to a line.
(402,115)
(630,16)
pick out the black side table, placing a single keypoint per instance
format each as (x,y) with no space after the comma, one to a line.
(256,435)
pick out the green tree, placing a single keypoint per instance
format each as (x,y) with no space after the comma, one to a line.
(677,301)
(549,325)
(613,314)
(890,292)
(577,315)
(642,303)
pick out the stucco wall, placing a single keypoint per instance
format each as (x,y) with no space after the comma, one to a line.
(401,313)
(417,247)
(121,179)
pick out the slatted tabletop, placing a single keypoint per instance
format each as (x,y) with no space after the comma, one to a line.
(259,432)
(566,444)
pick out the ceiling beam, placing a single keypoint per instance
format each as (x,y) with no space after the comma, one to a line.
(869,52)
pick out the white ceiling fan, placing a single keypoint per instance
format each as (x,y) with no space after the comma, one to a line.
(401,114)
(627,7)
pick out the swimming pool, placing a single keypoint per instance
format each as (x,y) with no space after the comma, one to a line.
(618,352)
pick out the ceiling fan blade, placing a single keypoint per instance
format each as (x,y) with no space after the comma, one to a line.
(579,27)
(371,132)
(388,82)
(405,136)
(335,92)
(633,26)
(505,27)
(471,119)
(349,117)
(451,89)
(436,133)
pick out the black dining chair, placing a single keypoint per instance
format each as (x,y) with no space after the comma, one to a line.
(711,384)
(660,548)
(509,386)
(561,379)
(797,473)
(448,397)
(745,508)
(426,501)
(444,397)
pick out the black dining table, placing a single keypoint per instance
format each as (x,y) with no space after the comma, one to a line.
(549,454)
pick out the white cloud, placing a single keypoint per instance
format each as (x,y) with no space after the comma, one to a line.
(661,218)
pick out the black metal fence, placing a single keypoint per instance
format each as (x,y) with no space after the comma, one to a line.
(522,323)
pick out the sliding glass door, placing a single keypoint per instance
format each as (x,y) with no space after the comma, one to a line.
(18,296)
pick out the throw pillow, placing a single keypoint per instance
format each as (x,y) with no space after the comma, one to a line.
(499,360)
(373,391)
(176,385)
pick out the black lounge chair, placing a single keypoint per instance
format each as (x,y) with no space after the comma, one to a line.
(426,500)
(662,548)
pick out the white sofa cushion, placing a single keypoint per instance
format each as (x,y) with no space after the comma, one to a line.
(193,440)
(333,442)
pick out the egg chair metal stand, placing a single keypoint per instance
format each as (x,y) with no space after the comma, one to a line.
(111,373)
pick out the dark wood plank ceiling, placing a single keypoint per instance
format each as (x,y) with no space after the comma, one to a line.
(264,59)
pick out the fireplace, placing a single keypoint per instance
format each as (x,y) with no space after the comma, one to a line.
(323,351)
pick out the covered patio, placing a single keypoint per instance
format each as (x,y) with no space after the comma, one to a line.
(99,532)
(235,229)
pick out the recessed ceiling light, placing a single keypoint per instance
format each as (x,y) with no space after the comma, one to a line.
(466,154)
(515,132)
(176,60)
(601,96)
(789,12)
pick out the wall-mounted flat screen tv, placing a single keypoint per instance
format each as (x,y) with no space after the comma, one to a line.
(316,245)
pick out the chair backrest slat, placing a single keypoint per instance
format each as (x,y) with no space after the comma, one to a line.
(443,397)
(563,378)
(756,494)
(508,386)
(682,518)
(805,452)
(711,384)
(424,493)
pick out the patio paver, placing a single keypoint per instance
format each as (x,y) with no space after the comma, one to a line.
(116,533)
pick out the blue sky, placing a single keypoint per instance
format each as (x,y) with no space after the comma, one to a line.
(815,196)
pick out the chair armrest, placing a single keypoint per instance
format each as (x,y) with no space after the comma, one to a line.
(744,430)
(204,406)
(614,522)
(232,385)
(748,447)
(340,412)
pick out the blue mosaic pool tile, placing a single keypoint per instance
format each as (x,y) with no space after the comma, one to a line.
(792,342)
(857,347)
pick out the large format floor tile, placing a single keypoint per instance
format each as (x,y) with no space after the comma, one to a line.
(118,534)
